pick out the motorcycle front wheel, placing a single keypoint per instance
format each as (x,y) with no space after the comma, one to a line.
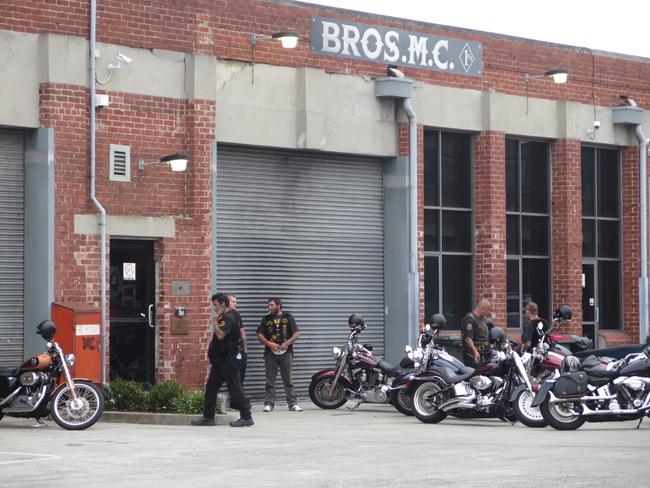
(559,417)
(401,401)
(322,396)
(423,406)
(526,413)
(79,413)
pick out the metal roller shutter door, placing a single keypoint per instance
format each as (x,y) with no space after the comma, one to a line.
(12,211)
(307,228)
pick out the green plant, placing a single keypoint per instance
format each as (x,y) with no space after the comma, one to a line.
(162,395)
(124,395)
(190,402)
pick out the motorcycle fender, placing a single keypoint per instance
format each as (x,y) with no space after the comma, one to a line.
(542,393)
(515,393)
(413,383)
(331,373)
(61,380)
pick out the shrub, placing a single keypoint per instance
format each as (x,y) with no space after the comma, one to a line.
(162,395)
(125,395)
(190,402)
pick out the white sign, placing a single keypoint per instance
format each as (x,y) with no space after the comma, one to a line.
(128,271)
(87,329)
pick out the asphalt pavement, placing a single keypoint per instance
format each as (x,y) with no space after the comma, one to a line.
(371,447)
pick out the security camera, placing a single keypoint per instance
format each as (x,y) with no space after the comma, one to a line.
(124,58)
(596,124)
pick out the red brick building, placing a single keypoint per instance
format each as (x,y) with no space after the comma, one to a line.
(297,181)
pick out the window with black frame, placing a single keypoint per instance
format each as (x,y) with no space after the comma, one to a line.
(448,246)
(601,233)
(527,228)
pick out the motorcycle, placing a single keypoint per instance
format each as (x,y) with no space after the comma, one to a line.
(487,391)
(596,390)
(43,386)
(359,375)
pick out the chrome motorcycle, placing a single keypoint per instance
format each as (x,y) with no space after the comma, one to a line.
(43,386)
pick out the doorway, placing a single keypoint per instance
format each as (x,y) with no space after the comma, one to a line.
(132,311)
(589,302)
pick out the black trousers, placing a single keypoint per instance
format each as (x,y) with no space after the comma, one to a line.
(225,369)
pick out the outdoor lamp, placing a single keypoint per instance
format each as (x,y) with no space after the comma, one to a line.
(178,162)
(558,75)
(288,39)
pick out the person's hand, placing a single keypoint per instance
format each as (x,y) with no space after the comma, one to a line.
(284,346)
(273,346)
(477,356)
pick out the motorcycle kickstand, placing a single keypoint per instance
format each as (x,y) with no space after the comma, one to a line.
(639,424)
(356,407)
(40,421)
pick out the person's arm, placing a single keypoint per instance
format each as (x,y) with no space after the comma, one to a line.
(224,327)
(244,341)
(472,348)
(294,336)
(468,334)
(263,340)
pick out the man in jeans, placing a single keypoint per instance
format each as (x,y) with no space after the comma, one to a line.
(278,332)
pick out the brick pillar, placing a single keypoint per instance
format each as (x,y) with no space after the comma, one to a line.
(566,232)
(490,222)
(631,244)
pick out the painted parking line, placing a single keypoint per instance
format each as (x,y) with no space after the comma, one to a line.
(28,456)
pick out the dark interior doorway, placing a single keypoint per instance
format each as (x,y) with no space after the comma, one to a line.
(132,312)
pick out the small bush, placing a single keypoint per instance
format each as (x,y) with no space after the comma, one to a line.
(190,402)
(125,395)
(162,395)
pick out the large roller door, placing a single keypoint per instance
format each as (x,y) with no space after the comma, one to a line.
(12,211)
(307,228)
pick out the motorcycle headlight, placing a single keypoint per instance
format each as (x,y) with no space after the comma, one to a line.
(336,352)
(418,354)
(69,359)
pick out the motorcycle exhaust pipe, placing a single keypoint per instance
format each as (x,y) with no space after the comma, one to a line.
(41,395)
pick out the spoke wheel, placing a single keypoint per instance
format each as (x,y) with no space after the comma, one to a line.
(401,401)
(79,413)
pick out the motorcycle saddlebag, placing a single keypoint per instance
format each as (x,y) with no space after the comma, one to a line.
(571,385)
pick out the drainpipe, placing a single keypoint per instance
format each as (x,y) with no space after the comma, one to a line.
(643,280)
(414,277)
(93,198)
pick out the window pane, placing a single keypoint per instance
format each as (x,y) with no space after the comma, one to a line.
(512,176)
(534,177)
(431,231)
(431,169)
(588,238)
(456,231)
(431,288)
(456,294)
(588,200)
(608,239)
(512,234)
(608,187)
(514,301)
(534,236)
(456,174)
(609,311)
(535,285)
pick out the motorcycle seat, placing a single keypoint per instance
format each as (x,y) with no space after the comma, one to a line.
(601,367)
(388,368)
(450,376)
(8,372)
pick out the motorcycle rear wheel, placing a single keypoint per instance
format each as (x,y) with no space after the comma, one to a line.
(558,416)
(401,401)
(319,392)
(423,409)
(526,413)
(77,414)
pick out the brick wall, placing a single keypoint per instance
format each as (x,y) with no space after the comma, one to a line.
(490,222)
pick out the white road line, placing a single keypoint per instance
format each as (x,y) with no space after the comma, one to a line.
(32,457)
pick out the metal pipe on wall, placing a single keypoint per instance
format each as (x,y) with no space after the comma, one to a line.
(643,210)
(93,198)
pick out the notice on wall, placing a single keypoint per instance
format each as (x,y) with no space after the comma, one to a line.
(128,271)
(377,44)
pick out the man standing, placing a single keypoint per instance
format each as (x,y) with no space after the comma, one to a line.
(476,343)
(277,332)
(222,353)
(243,350)
(530,333)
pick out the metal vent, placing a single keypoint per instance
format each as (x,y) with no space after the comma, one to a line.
(120,161)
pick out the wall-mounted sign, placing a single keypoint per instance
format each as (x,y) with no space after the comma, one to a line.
(128,271)
(394,46)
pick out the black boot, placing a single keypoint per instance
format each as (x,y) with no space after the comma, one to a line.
(203,422)
(242,422)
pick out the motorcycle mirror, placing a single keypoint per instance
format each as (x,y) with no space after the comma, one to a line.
(427,327)
(540,326)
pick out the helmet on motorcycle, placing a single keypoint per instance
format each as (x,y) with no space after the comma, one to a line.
(497,335)
(563,312)
(437,321)
(570,364)
(488,322)
(46,329)
(356,321)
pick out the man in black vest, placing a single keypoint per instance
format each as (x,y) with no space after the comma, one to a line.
(476,343)
(222,353)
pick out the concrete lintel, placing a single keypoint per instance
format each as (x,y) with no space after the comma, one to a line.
(127,226)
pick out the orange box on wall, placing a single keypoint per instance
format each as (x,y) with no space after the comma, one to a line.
(78,331)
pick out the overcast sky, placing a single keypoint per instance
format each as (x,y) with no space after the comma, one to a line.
(621,26)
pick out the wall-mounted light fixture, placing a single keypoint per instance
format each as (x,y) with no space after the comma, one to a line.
(559,76)
(178,162)
(288,39)
(122,60)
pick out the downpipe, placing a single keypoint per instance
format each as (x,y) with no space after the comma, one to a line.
(643,279)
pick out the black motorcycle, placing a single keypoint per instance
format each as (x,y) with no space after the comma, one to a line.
(596,390)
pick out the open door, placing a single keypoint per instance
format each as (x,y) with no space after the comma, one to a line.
(132,312)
